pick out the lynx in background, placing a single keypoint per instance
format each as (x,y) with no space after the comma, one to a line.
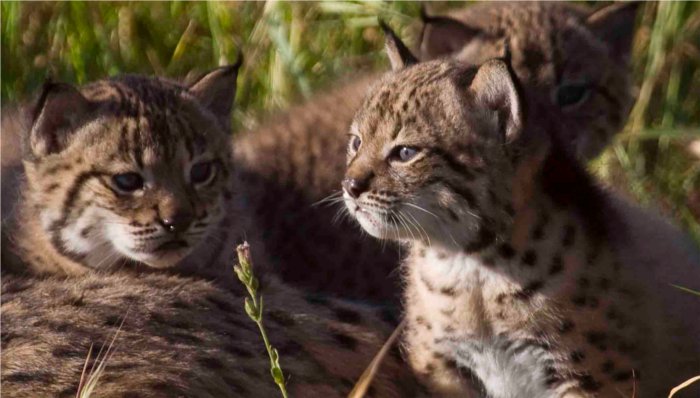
(524,279)
(573,63)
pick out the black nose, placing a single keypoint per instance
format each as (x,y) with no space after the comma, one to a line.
(354,187)
(177,223)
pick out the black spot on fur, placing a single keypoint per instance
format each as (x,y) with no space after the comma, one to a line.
(68,352)
(529,289)
(211,363)
(538,232)
(465,193)
(112,320)
(389,315)
(607,366)
(529,258)
(27,377)
(180,338)
(448,291)
(583,282)
(237,351)
(347,315)
(222,305)
(566,326)
(282,318)
(290,348)
(557,265)
(345,341)
(579,300)
(68,392)
(506,251)
(588,383)
(316,300)
(452,214)
(552,377)
(484,239)
(577,356)
(597,340)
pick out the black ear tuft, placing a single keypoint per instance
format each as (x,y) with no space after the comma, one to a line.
(443,36)
(58,112)
(614,25)
(495,87)
(399,55)
(216,91)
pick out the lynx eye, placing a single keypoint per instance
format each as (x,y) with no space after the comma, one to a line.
(202,172)
(404,153)
(355,142)
(128,182)
(572,94)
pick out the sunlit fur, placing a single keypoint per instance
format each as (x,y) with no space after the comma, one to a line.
(411,200)
(523,278)
(296,159)
(154,127)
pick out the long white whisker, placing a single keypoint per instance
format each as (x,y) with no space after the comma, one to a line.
(422,209)
(334,198)
(419,225)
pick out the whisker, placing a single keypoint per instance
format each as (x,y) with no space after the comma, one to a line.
(421,209)
(335,197)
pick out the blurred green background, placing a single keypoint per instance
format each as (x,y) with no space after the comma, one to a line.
(292,49)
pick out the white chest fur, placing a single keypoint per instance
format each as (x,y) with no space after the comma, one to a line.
(449,298)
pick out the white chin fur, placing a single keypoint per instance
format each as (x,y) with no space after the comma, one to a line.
(370,224)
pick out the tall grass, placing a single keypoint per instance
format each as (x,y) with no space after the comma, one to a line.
(651,158)
(294,48)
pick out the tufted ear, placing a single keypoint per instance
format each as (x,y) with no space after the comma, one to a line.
(443,35)
(614,25)
(399,55)
(60,110)
(216,91)
(495,88)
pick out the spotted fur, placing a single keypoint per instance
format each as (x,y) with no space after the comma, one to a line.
(75,216)
(523,277)
(296,160)
(184,337)
(90,256)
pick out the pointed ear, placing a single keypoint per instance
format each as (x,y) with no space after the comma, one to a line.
(399,55)
(60,110)
(443,35)
(494,87)
(614,25)
(216,91)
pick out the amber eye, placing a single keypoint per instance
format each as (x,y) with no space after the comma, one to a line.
(404,153)
(128,182)
(572,94)
(202,172)
(355,142)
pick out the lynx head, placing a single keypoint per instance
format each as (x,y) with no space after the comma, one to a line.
(431,150)
(130,168)
(572,62)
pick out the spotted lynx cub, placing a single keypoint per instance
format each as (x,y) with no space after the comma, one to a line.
(572,60)
(128,170)
(524,279)
(131,179)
